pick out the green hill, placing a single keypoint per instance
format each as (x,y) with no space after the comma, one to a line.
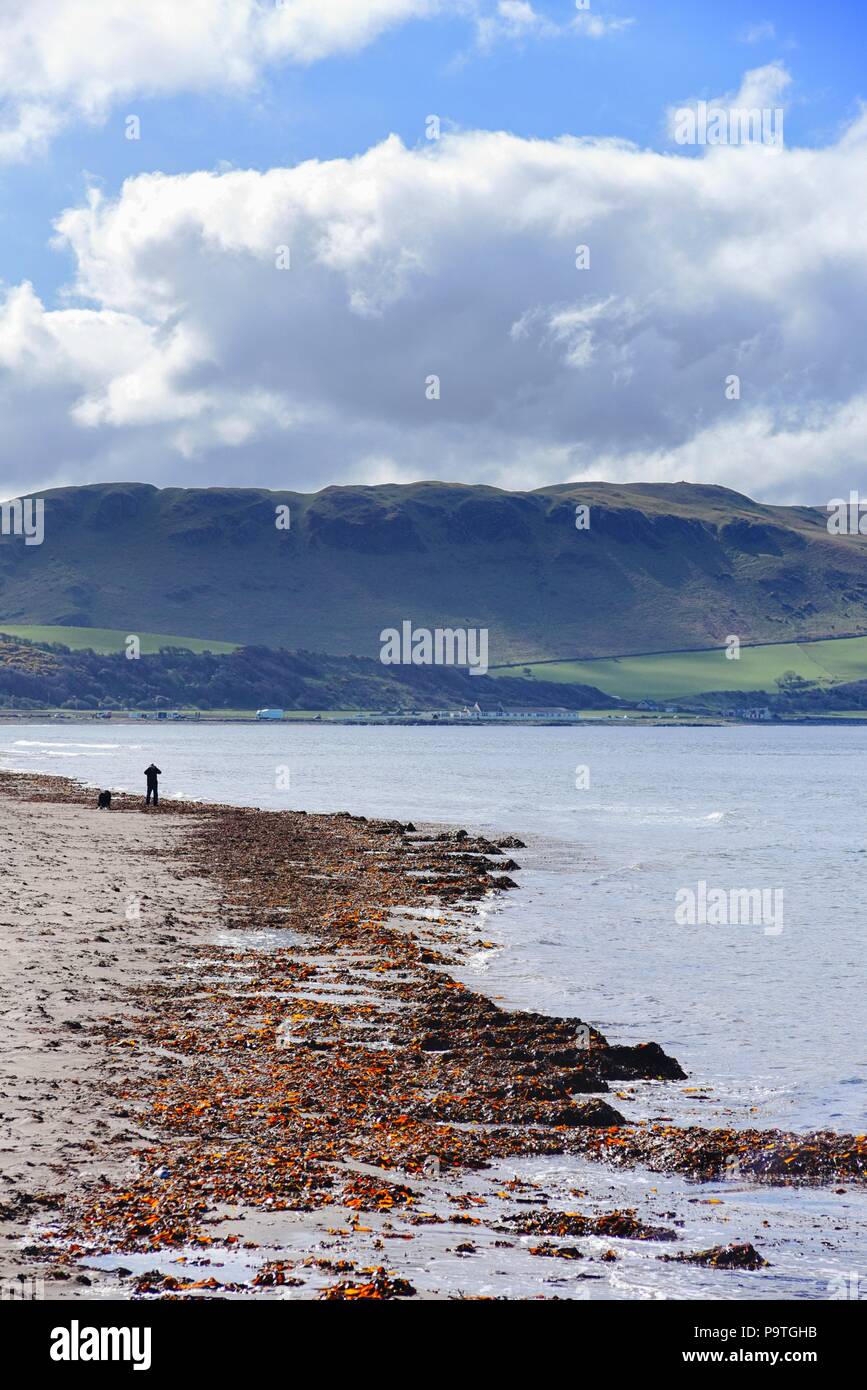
(43,677)
(661,567)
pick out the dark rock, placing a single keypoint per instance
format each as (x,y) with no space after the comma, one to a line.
(737,1256)
(563,1252)
(646,1062)
(595,1114)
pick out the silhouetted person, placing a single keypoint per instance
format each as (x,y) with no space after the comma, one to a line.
(152,773)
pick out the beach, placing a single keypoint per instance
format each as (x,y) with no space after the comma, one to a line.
(239,1061)
(73,950)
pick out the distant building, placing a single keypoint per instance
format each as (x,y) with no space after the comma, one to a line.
(751,712)
(513,714)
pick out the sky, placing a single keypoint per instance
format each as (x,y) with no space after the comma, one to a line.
(289,245)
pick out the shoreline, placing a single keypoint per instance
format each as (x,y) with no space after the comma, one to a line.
(303,1055)
(581,719)
(376,719)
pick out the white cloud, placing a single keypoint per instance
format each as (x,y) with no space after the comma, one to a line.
(595,26)
(758,32)
(67,61)
(182,353)
(801,453)
(762,89)
(516,20)
(64,60)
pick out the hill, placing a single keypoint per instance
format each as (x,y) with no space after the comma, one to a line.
(661,567)
(52,677)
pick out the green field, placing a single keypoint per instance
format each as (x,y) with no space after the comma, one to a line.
(675,675)
(105,639)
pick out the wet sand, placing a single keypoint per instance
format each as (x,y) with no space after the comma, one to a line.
(73,946)
(264,1080)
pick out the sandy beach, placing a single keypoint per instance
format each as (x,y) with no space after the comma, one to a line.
(85,919)
(236,1062)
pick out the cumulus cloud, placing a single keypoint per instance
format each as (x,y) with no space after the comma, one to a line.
(64,60)
(765,86)
(183,353)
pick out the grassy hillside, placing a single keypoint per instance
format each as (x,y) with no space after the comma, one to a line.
(670,675)
(43,677)
(664,566)
(103,639)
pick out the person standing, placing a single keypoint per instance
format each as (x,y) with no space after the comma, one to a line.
(151,774)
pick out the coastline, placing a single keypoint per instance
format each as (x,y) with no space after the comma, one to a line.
(374,719)
(300,1061)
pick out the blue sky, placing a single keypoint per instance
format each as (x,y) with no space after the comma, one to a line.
(482,67)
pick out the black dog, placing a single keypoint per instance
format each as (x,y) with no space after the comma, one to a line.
(103,801)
